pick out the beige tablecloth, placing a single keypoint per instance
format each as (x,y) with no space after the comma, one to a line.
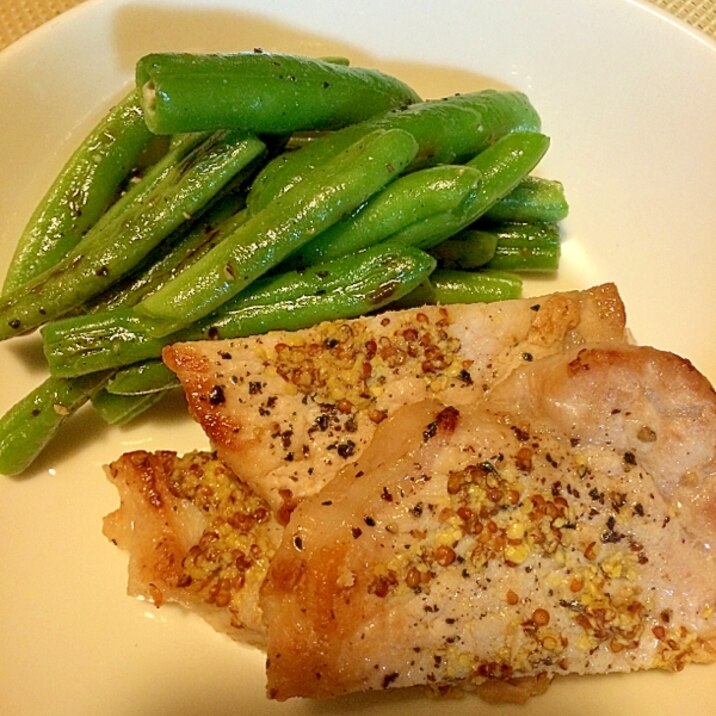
(18,17)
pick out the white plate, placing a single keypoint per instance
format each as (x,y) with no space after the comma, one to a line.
(628,96)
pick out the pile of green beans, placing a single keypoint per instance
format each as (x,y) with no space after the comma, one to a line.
(230,195)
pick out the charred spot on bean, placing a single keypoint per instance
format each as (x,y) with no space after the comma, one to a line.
(356,532)
(370,521)
(383,292)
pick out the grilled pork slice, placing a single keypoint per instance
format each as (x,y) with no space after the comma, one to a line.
(562,525)
(286,410)
(196,536)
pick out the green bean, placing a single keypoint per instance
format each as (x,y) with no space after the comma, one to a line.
(437,193)
(149,376)
(84,188)
(469,249)
(171,256)
(425,207)
(448,131)
(502,166)
(260,92)
(31,423)
(102,258)
(533,200)
(503,246)
(268,237)
(347,286)
(446,286)
(121,409)
(526,247)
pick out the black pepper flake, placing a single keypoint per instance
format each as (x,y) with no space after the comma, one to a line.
(385,495)
(369,521)
(610,535)
(331,342)
(14,323)
(216,395)
(101,271)
(639,509)
(225,355)
(430,431)
(298,543)
(346,449)
(356,532)
(254,387)
(527,357)
(388,679)
(465,377)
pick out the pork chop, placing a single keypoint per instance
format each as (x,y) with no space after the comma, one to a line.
(563,524)
(287,410)
(195,535)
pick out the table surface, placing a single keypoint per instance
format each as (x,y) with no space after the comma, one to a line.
(18,17)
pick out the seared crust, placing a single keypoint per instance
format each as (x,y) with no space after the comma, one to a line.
(195,535)
(287,410)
